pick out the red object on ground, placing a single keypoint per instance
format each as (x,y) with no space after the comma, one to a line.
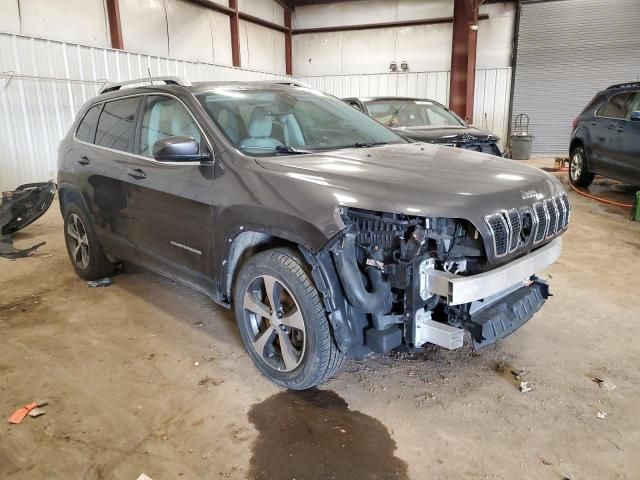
(19,414)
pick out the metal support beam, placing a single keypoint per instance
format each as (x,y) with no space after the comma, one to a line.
(115,27)
(234,20)
(463,57)
(288,60)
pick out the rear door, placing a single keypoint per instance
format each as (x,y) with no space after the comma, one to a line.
(106,135)
(605,130)
(172,200)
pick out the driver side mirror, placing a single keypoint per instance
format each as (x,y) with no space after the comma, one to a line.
(635,117)
(177,149)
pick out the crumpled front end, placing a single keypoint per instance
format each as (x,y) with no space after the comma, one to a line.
(420,280)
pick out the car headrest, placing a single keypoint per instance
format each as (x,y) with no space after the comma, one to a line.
(260,124)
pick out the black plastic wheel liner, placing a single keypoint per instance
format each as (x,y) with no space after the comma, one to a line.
(24,205)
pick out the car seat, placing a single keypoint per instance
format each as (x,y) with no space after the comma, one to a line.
(260,126)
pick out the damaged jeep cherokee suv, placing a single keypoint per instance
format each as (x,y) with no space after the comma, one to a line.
(329,234)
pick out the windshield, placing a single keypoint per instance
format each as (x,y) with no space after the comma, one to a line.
(412,113)
(295,120)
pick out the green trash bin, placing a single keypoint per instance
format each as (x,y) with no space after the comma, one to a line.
(521,141)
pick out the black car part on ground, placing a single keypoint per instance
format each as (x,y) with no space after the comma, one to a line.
(22,207)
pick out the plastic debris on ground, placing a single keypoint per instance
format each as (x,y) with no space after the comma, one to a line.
(601,415)
(19,208)
(604,384)
(103,282)
(19,415)
(525,387)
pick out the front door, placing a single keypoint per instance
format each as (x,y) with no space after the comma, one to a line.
(172,200)
(627,145)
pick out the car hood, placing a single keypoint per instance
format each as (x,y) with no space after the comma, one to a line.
(455,135)
(415,179)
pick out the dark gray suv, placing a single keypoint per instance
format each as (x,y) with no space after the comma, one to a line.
(330,235)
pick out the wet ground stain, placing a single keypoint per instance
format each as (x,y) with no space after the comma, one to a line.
(313,435)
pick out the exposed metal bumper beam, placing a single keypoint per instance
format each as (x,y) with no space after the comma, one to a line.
(458,289)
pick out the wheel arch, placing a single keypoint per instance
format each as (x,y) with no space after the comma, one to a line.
(68,193)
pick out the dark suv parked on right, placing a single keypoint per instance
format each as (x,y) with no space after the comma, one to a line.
(606,137)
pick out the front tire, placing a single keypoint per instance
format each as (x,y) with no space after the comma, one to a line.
(579,174)
(83,247)
(282,321)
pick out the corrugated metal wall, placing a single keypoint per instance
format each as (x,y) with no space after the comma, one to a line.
(43,84)
(492,91)
(567,51)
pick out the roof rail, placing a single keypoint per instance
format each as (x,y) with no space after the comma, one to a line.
(624,85)
(112,87)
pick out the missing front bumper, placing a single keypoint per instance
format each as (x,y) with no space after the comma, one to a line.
(459,290)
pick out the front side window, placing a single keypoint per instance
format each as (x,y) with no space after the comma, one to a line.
(269,122)
(165,117)
(87,129)
(117,124)
(634,105)
(412,113)
(617,106)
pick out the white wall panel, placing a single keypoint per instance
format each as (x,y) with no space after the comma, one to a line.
(191,31)
(221,38)
(261,48)
(43,84)
(426,47)
(265,9)
(144,26)
(10,18)
(362,51)
(370,11)
(81,21)
(495,36)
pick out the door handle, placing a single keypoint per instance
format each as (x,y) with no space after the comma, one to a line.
(84,161)
(619,129)
(136,173)
(593,124)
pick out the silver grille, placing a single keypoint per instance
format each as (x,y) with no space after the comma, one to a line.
(515,228)
(499,232)
(550,217)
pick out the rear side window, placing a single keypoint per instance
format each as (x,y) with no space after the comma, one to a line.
(617,106)
(87,128)
(117,124)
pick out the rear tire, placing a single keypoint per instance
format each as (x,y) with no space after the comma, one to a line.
(579,174)
(282,321)
(83,247)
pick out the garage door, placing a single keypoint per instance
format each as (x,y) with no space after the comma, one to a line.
(567,51)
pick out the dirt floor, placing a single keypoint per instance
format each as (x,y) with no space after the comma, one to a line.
(148,376)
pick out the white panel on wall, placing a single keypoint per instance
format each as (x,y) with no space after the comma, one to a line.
(144,26)
(191,31)
(317,54)
(79,21)
(370,11)
(425,47)
(261,48)
(51,80)
(495,36)
(221,38)
(366,51)
(265,9)
(10,18)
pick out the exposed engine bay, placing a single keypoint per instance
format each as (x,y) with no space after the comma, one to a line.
(383,261)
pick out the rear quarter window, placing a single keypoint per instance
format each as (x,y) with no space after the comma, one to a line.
(87,128)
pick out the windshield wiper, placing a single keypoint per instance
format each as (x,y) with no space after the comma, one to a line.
(290,149)
(367,145)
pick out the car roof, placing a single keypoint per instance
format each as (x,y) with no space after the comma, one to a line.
(622,87)
(389,98)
